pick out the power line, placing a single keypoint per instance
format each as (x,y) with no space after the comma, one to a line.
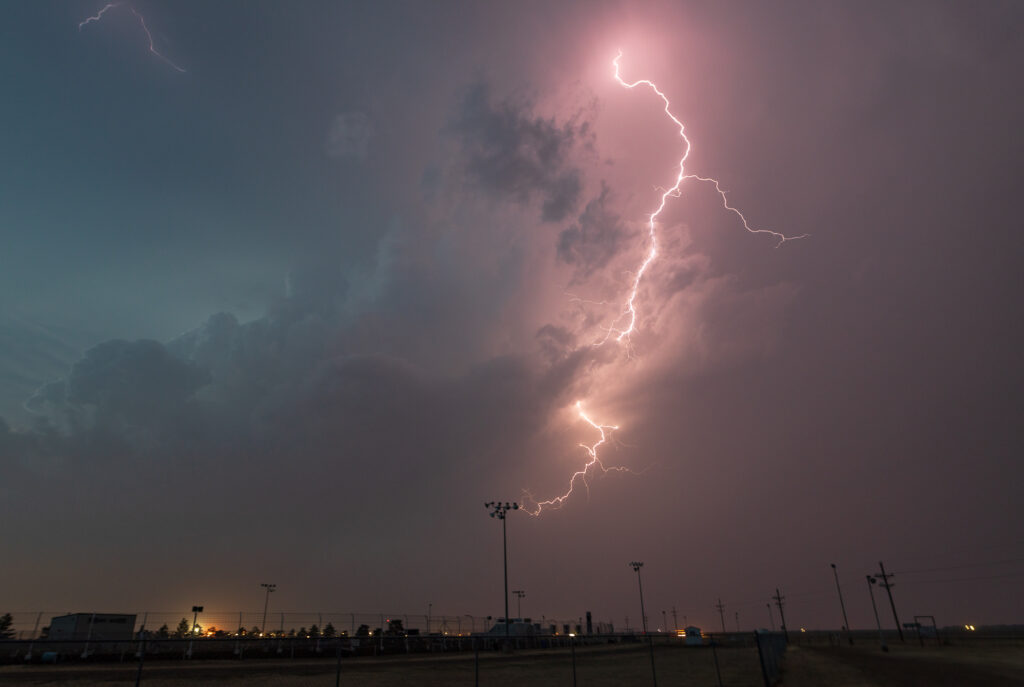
(959,567)
(971,579)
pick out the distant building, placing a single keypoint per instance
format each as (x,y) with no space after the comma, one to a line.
(693,636)
(93,626)
(517,627)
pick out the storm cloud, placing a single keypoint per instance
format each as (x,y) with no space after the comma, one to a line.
(519,155)
(594,239)
(300,326)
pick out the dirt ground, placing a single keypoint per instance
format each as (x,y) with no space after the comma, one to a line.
(595,667)
(904,666)
(603,666)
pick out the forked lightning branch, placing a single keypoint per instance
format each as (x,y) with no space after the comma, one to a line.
(625,322)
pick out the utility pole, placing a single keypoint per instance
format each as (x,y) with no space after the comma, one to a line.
(846,623)
(888,588)
(779,598)
(871,591)
(675,620)
(721,613)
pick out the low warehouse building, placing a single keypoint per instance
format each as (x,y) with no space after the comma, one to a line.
(92,626)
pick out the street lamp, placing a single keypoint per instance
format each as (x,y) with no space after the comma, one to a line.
(871,591)
(636,565)
(266,601)
(846,623)
(499,510)
(196,610)
(519,594)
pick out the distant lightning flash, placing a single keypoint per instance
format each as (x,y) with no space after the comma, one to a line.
(626,321)
(99,15)
(142,23)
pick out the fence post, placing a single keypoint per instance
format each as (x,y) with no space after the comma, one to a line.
(88,638)
(142,652)
(337,673)
(572,650)
(714,653)
(760,656)
(35,634)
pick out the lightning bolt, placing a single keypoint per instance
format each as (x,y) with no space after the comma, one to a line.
(142,23)
(625,322)
(99,15)
(581,475)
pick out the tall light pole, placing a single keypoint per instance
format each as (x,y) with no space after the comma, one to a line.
(636,565)
(196,610)
(846,623)
(266,600)
(519,594)
(871,591)
(499,510)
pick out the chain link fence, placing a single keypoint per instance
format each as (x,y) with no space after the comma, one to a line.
(291,624)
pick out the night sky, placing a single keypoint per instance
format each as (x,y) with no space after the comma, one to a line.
(294,314)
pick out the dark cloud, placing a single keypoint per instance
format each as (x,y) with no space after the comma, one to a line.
(594,239)
(516,154)
(136,384)
(32,352)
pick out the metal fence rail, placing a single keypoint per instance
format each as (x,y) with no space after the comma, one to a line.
(30,624)
(33,650)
